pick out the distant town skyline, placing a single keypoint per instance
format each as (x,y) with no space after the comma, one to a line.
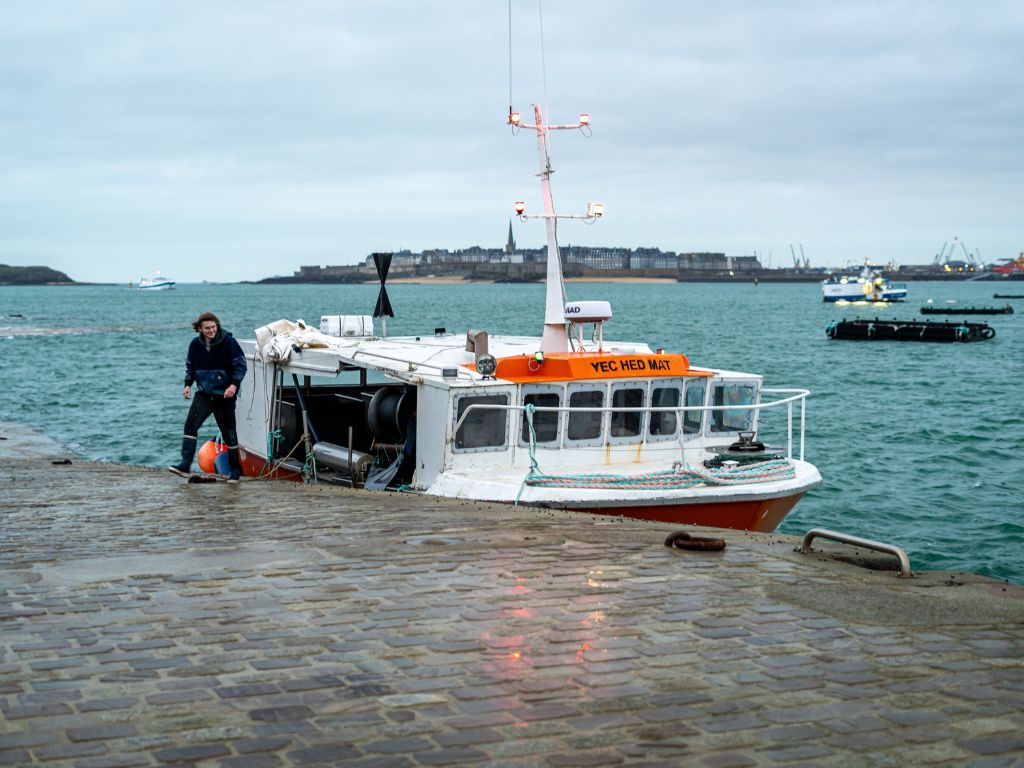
(238,140)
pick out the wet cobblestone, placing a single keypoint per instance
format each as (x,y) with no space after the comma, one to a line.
(148,622)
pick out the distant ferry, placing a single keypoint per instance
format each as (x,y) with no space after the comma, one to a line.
(870,285)
(157,283)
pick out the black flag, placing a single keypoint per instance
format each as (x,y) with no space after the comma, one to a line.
(383,262)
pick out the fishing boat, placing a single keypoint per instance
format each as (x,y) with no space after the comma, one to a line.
(870,285)
(566,419)
(155,283)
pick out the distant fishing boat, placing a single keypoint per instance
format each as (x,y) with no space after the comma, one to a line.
(156,283)
(870,285)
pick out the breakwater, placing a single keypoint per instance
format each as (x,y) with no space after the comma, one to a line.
(146,621)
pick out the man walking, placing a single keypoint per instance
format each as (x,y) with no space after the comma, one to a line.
(216,365)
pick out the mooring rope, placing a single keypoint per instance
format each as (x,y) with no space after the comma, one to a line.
(528,410)
(273,438)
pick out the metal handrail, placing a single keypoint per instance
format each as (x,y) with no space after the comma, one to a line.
(857,541)
(801,395)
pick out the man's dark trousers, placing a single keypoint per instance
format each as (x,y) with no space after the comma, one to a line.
(223,410)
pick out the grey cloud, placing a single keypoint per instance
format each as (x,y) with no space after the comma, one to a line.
(316,132)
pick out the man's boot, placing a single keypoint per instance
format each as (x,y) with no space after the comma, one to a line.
(234,465)
(188,452)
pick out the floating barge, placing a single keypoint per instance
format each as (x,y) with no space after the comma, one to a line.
(1008,295)
(908,330)
(931,310)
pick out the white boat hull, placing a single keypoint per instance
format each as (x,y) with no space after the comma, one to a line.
(759,507)
(856,292)
(754,507)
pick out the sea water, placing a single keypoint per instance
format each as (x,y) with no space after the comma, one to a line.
(919,444)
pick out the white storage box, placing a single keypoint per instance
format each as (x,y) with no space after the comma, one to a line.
(346,325)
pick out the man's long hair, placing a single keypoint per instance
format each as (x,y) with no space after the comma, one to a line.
(198,324)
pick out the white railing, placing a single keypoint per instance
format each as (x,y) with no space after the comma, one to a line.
(798,395)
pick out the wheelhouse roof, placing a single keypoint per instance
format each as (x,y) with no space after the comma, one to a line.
(424,359)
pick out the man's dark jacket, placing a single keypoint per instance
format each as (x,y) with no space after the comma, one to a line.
(215,366)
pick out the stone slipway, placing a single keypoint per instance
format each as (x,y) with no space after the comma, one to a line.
(148,622)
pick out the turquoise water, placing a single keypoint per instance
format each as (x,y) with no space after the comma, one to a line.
(919,444)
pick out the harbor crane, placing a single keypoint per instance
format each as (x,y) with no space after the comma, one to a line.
(799,263)
(944,256)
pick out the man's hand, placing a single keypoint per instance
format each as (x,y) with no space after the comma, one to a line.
(230,391)
(188,392)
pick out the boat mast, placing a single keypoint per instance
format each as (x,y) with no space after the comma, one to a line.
(555,337)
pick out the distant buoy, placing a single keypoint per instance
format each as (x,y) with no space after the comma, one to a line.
(213,458)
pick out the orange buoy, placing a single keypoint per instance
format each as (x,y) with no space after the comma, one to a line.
(213,458)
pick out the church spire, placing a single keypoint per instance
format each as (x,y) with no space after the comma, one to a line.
(510,246)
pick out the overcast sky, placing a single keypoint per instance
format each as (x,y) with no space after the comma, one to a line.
(238,139)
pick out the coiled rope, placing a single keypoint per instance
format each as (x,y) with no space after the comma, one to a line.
(680,476)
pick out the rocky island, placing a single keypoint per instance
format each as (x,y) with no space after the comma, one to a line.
(32,276)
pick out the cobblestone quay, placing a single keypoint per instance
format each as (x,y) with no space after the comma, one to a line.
(148,622)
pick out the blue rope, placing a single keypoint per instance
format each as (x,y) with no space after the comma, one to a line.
(309,469)
(272,437)
(534,472)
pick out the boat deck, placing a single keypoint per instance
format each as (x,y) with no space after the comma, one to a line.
(146,621)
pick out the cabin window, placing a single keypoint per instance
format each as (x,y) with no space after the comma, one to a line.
(733,419)
(585,426)
(695,391)
(664,425)
(483,428)
(546,424)
(627,425)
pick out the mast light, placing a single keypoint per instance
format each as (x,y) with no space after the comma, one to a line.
(584,119)
(514,118)
(520,207)
(595,210)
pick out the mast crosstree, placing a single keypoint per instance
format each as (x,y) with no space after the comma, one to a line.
(555,337)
